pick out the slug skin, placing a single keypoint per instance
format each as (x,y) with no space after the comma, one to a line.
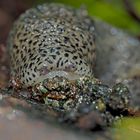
(49,40)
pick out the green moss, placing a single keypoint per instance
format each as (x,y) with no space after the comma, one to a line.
(128,129)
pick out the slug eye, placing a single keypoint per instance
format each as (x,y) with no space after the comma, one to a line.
(70,67)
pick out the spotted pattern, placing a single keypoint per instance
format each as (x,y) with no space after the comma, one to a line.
(51,37)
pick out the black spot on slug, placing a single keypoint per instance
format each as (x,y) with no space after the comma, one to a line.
(74,57)
(66,54)
(58,62)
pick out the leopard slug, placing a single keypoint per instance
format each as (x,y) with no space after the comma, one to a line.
(52,50)
(52,40)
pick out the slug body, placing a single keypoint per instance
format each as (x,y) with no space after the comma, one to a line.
(52,49)
(52,40)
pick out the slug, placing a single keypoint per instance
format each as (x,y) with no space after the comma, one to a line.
(52,50)
(52,40)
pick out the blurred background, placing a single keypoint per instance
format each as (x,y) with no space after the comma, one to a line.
(124,14)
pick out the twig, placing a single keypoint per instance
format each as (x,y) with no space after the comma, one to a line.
(131,10)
